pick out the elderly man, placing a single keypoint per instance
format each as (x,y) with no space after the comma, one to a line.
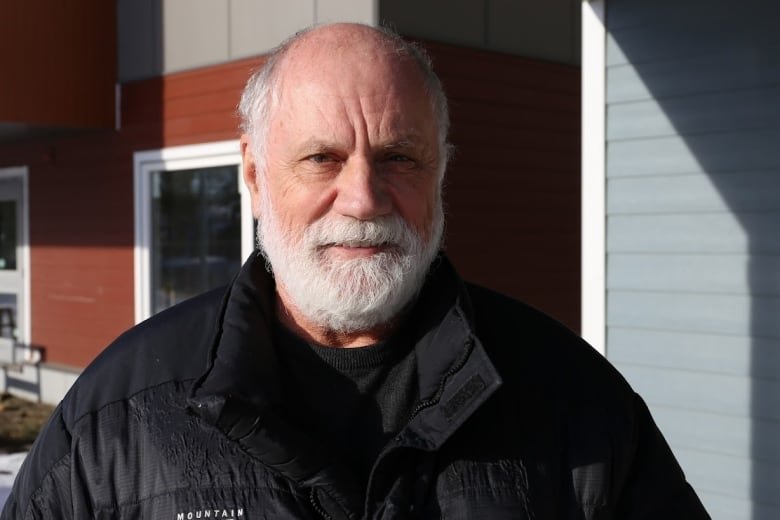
(358,376)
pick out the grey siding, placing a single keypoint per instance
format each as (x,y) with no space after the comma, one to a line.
(693,236)
(548,30)
(162,36)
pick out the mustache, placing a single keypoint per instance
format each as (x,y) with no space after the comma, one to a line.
(390,230)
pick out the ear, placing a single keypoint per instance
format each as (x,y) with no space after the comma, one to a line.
(249,173)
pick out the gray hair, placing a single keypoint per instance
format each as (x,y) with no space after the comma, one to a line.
(260,94)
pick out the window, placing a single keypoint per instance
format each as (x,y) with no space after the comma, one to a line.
(14,264)
(8,238)
(193,223)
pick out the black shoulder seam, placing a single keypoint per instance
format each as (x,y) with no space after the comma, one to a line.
(184,382)
(35,494)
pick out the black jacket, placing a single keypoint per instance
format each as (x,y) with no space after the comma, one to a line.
(518,419)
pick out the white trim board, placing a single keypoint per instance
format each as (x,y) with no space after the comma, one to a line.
(593,232)
(220,153)
(24,248)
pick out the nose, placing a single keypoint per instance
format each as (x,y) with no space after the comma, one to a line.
(361,193)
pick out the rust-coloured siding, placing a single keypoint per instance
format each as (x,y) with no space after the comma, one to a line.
(81,205)
(513,186)
(513,190)
(58,63)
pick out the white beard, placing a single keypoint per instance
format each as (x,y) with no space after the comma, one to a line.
(356,294)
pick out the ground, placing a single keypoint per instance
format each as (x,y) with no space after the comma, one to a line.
(20,422)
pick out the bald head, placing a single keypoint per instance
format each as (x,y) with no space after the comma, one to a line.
(343,153)
(338,41)
(350,47)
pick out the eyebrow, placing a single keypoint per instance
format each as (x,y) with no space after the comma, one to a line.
(399,144)
(317,144)
(321,145)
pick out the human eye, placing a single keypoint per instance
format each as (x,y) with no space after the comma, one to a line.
(319,158)
(400,153)
(399,157)
(398,161)
(320,163)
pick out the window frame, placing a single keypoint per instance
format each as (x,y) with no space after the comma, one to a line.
(187,157)
(24,311)
(593,232)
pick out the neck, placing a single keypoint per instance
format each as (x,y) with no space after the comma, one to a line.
(303,327)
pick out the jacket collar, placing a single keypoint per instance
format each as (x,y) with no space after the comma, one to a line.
(456,375)
(240,387)
(242,362)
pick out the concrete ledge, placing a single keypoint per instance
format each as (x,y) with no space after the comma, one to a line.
(45,382)
(55,381)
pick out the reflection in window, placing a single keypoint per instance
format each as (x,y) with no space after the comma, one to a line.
(196,232)
(8,234)
(8,316)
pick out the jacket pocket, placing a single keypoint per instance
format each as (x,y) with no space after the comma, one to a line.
(467,489)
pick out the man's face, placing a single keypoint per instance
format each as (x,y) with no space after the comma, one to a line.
(351,193)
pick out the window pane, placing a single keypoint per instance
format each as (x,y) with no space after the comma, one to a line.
(8,328)
(8,234)
(196,232)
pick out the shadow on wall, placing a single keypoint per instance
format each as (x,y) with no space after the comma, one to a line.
(712,71)
(512,191)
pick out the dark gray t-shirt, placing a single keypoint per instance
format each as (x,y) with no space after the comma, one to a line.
(353,400)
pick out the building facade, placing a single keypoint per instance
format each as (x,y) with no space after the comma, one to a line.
(120,192)
(119,163)
(681,208)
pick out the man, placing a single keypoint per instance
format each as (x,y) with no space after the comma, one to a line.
(362,378)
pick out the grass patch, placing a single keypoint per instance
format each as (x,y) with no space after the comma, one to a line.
(20,422)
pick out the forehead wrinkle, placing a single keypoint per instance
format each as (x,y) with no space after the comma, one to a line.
(392,129)
(370,110)
(325,121)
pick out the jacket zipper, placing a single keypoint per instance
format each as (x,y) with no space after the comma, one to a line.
(427,403)
(317,507)
(422,405)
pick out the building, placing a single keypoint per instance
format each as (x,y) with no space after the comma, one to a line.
(119,190)
(119,159)
(681,212)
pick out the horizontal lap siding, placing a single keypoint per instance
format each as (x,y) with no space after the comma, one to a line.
(706,352)
(693,249)
(58,63)
(81,204)
(512,189)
